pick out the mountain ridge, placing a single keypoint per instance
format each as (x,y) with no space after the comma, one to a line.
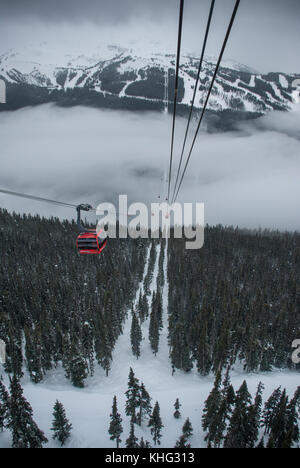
(120,78)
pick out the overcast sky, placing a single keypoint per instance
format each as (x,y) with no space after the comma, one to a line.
(266,35)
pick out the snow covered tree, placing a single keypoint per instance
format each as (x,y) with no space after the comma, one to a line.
(136,336)
(155,423)
(132,441)
(155,324)
(180,353)
(144,444)
(75,365)
(182,442)
(145,408)
(280,433)
(4,406)
(25,432)
(115,427)
(270,408)
(187,429)
(133,396)
(255,417)
(293,413)
(61,426)
(177,407)
(214,414)
(239,433)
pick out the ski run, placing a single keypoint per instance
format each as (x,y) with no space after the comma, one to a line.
(89,409)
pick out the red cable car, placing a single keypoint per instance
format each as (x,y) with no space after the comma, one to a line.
(89,242)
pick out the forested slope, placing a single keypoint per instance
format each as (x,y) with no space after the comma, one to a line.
(60,305)
(238,298)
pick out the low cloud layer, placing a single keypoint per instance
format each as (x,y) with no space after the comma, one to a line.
(248,178)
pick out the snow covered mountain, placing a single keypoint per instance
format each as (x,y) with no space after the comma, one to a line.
(115,77)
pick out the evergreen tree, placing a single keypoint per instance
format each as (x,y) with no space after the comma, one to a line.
(145,408)
(4,406)
(180,352)
(155,423)
(293,412)
(61,426)
(75,365)
(136,336)
(155,324)
(133,396)
(177,407)
(187,429)
(132,441)
(228,393)
(182,442)
(280,432)
(214,414)
(144,444)
(25,432)
(239,433)
(270,409)
(255,416)
(115,427)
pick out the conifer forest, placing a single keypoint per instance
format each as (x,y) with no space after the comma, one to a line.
(234,303)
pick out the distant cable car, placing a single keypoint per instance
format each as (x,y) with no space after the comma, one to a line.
(89,241)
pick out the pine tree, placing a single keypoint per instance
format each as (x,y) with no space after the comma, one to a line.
(145,408)
(182,442)
(115,427)
(187,429)
(75,365)
(154,326)
(4,406)
(25,432)
(132,441)
(293,412)
(228,393)
(239,433)
(279,428)
(214,414)
(61,425)
(155,423)
(270,409)
(144,444)
(136,336)
(180,352)
(255,416)
(177,407)
(133,396)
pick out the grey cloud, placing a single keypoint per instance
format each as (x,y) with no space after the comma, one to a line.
(248,178)
(265,36)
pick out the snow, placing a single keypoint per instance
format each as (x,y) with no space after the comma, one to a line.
(283,81)
(39,64)
(88,409)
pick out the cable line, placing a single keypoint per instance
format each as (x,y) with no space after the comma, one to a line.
(209,92)
(46,200)
(32,197)
(176,89)
(195,90)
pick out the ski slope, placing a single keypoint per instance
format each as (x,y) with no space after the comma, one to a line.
(88,409)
